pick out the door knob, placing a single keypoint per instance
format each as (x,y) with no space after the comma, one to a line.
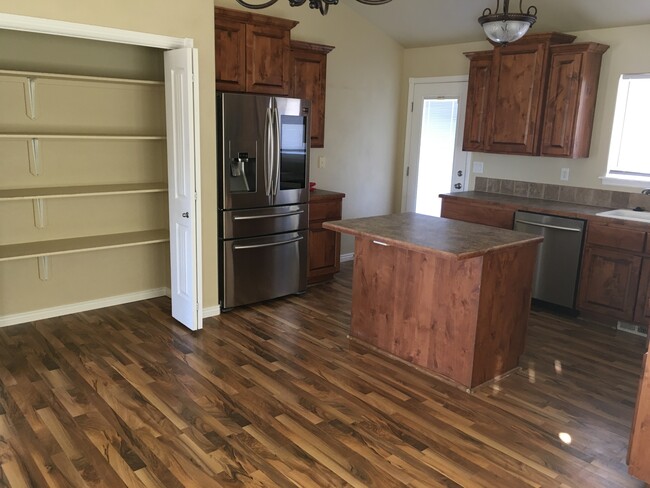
(458,186)
(186,215)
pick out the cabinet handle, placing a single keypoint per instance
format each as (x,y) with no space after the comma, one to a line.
(381,243)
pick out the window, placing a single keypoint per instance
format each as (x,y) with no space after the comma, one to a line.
(629,162)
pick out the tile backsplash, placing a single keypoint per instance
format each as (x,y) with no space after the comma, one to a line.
(561,193)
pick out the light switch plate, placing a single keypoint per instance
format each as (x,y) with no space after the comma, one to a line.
(564,174)
(477,167)
(322,162)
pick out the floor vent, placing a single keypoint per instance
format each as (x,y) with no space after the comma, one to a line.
(641,330)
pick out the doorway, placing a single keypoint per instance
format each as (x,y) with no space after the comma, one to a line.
(182,136)
(434,161)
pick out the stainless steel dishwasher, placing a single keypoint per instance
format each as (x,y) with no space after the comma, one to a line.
(558,258)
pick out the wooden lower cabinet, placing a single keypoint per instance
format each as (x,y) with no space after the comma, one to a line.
(640,436)
(642,312)
(478,213)
(324,245)
(609,283)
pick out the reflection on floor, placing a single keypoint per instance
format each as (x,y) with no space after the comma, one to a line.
(274,395)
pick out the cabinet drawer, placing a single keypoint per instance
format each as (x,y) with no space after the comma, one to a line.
(330,210)
(622,239)
(478,214)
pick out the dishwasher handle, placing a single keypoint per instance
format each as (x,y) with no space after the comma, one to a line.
(547,226)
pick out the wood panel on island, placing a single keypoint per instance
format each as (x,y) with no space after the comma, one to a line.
(446,296)
(324,259)
(533,97)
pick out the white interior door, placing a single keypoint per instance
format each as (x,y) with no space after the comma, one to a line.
(435,162)
(181,97)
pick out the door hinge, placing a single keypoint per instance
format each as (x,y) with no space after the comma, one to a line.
(411,106)
(408,170)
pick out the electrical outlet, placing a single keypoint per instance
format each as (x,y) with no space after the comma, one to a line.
(322,162)
(564,174)
(477,167)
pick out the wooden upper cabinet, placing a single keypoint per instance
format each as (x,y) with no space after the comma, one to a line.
(572,89)
(514,105)
(308,80)
(480,65)
(252,52)
(534,97)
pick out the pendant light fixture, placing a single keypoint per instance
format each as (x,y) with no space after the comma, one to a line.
(322,5)
(506,27)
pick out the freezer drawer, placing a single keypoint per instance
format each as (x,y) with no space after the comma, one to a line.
(238,224)
(262,268)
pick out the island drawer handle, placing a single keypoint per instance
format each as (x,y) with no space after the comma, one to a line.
(381,243)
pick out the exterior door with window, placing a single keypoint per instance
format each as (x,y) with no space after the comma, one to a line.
(435,161)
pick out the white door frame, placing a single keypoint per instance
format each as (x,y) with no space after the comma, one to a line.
(409,123)
(109,34)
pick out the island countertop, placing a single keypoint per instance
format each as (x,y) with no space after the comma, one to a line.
(416,232)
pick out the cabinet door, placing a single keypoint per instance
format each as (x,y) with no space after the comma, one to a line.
(515,101)
(308,80)
(609,283)
(478,90)
(230,55)
(642,313)
(640,436)
(324,245)
(267,59)
(571,99)
(562,104)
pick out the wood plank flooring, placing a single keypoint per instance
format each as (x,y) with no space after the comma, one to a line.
(275,395)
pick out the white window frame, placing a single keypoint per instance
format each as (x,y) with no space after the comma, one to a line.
(615,176)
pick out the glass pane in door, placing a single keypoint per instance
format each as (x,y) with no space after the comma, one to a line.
(293,152)
(437,143)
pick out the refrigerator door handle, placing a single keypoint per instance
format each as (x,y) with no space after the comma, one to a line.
(276,160)
(268,151)
(270,244)
(271,216)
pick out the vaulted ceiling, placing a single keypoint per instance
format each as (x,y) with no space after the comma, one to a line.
(415,23)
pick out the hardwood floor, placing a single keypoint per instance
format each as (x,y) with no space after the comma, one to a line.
(275,395)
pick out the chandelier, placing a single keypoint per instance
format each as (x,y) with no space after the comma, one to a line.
(507,27)
(321,5)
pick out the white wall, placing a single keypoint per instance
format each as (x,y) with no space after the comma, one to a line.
(362,106)
(628,53)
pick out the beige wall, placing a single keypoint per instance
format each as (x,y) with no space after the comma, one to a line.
(185,19)
(363,86)
(627,54)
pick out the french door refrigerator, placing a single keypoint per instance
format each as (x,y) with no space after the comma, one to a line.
(263,173)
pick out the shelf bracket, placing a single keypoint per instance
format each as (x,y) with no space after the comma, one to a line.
(40,217)
(44,268)
(30,97)
(34,149)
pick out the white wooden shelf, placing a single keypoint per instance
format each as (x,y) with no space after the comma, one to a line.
(61,76)
(81,244)
(81,191)
(106,137)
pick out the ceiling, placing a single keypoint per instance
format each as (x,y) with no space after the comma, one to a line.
(417,23)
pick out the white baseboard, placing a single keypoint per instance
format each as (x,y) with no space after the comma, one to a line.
(46,313)
(211,311)
(347,257)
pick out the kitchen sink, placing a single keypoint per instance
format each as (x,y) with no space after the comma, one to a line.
(626,214)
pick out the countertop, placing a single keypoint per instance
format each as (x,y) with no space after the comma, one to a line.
(562,209)
(318,195)
(451,238)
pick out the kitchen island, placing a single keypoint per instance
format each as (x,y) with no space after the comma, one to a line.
(447,296)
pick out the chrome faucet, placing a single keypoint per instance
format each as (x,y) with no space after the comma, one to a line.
(646,191)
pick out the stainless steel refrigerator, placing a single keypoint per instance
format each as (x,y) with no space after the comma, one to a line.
(263,173)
